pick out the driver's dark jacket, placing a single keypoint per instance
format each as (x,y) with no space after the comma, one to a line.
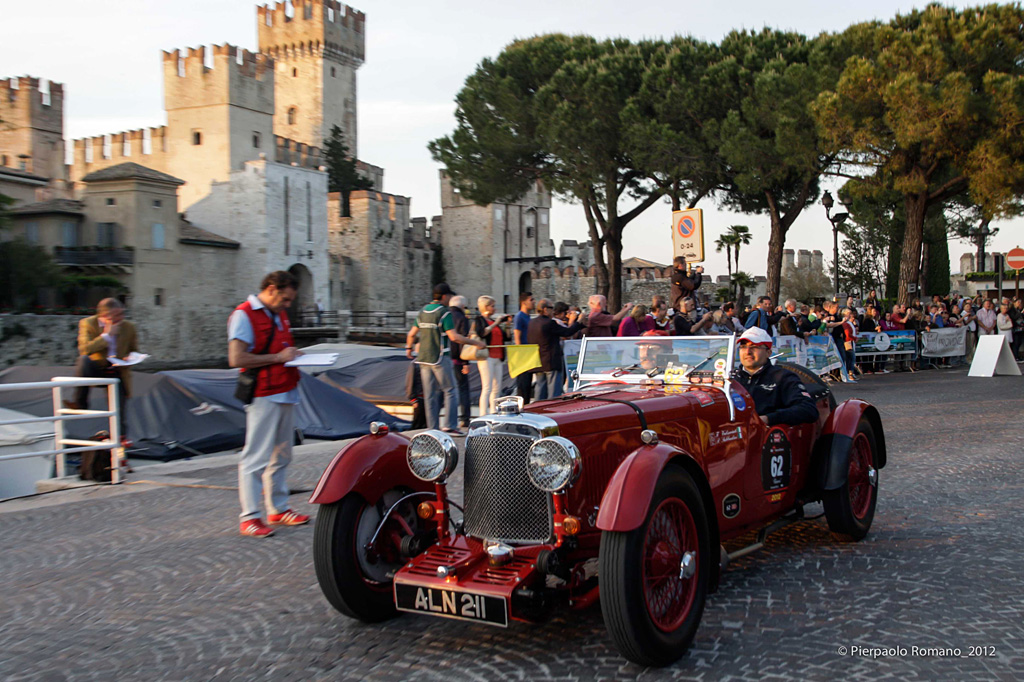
(779,395)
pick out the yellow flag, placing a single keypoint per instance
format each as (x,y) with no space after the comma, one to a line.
(522,358)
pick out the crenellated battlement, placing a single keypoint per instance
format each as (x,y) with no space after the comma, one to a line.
(227,75)
(324,28)
(27,101)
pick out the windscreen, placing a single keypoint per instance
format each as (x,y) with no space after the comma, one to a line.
(635,358)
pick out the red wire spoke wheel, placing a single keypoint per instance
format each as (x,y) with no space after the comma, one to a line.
(671,537)
(850,508)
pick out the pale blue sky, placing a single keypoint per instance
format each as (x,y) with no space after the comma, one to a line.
(418,54)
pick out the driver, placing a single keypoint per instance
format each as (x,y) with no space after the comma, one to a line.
(779,396)
(648,352)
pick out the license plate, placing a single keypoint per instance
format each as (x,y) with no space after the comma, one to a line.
(437,601)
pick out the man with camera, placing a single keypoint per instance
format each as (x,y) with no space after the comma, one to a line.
(683,283)
(260,343)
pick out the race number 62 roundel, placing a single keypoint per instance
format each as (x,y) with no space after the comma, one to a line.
(686,227)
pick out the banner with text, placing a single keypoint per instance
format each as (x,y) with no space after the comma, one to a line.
(947,342)
(886,343)
(816,353)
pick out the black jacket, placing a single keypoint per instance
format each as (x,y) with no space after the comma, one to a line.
(547,333)
(462,327)
(779,395)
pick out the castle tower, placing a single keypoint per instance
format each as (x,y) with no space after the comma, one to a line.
(219,115)
(317,46)
(32,126)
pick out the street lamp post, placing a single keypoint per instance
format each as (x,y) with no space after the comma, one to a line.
(836,220)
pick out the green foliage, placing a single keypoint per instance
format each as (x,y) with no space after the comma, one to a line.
(342,173)
(930,107)
(24,268)
(986,276)
(70,283)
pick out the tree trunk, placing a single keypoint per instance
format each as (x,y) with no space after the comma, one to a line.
(775,245)
(915,206)
(614,241)
(597,244)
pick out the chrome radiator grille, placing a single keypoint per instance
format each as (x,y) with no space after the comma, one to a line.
(501,503)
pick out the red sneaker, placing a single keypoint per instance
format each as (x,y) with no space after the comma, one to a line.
(288,518)
(256,528)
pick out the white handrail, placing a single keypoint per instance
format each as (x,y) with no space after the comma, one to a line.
(62,414)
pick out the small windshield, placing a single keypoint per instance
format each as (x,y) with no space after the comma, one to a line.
(635,358)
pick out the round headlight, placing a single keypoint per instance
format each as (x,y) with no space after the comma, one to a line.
(553,464)
(432,455)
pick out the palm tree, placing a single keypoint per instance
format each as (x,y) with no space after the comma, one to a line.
(740,235)
(725,242)
(742,281)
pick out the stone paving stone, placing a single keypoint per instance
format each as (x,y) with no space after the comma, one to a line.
(157,584)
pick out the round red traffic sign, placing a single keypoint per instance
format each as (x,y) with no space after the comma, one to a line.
(1015,258)
(687,226)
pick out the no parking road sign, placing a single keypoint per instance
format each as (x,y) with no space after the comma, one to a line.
(1015,259)
(688,235)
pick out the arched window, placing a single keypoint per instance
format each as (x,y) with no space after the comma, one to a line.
(291,115)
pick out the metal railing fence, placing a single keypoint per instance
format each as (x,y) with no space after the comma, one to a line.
(63,414)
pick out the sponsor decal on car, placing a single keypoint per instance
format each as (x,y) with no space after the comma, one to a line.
(738,400)
(731,506)
(705,399)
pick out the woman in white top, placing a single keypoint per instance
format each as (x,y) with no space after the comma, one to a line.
(1004,323)
(488,327)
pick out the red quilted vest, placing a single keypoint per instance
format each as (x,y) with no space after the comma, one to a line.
(272,379)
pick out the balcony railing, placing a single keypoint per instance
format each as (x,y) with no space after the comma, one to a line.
(71,255)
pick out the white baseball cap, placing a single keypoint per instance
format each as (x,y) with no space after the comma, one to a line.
(756,336)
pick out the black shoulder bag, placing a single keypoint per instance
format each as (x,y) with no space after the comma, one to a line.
(245,389)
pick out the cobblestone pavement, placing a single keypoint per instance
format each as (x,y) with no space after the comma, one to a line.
(148,581)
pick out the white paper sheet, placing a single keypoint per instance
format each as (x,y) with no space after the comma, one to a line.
(132,359)
(313,360)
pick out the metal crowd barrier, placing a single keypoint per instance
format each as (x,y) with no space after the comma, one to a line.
(62,414)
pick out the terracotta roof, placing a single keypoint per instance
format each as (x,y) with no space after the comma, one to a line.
(131,171)
(641,263)
(190,234)
(68,206)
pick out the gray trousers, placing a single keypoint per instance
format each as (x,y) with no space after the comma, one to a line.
(439,380)
(269,433)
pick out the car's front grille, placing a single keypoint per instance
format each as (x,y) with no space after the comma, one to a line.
(501,503)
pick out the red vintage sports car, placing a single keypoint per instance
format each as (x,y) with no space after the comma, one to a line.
(624,490)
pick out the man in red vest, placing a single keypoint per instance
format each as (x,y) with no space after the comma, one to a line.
(260,337)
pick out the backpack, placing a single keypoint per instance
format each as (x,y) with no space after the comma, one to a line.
(95,464)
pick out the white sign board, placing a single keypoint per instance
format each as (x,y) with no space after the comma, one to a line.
(947,342)
(688,235)
(993,356)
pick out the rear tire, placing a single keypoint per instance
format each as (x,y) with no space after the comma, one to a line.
(651,612)
(850,509)
(354,581)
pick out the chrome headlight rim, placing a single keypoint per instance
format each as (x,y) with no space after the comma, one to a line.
(432,456)
(572,464)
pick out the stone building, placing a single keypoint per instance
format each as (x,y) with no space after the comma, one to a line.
(495,249)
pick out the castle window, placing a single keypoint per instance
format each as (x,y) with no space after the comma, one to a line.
(256,140)
(158,297)
(529,233)
(23,165)
(157,203)
(292,113)
(330,17)
(295,72)
(111,201)
(106,146)
(544,218)
(3,160)
(32,233)
(497,213)
(333,73)
(308,11)
(105,235)
(157,236)
(197,137)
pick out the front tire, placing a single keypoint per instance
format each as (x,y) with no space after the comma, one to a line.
(654,579)
(355,581)
(850,509)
